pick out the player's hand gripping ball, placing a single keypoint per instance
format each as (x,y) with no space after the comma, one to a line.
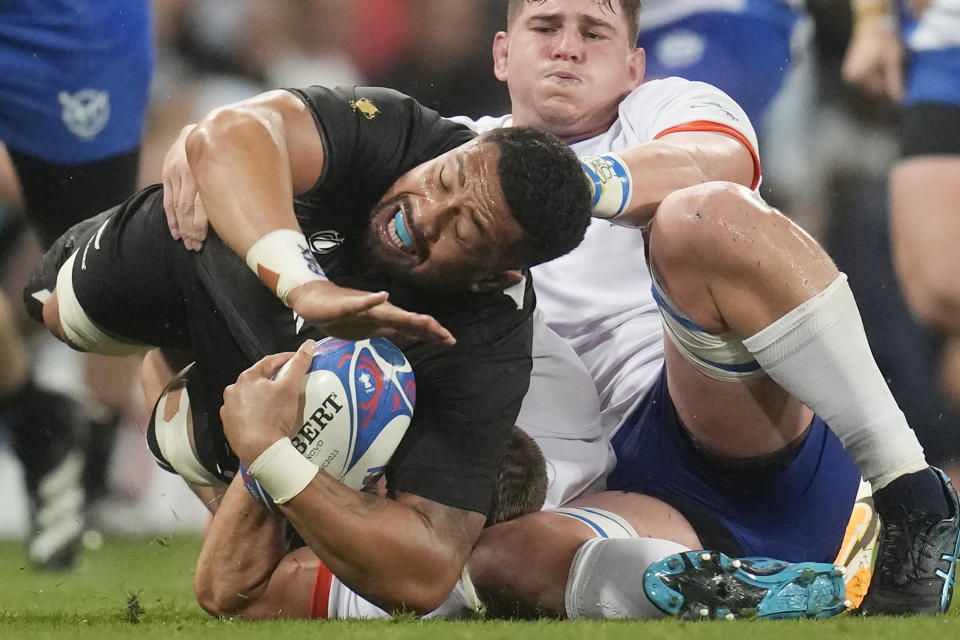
(356,404)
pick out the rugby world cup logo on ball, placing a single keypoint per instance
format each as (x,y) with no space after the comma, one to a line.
(356,404)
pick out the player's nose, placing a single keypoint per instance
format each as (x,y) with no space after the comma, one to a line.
(435,218)
(568,45)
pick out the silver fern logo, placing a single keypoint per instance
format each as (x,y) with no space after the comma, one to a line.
(85,112)
(323,242)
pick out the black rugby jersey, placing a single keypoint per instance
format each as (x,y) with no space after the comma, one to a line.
(145,286)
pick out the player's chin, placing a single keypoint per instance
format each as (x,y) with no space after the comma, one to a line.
(422,276)
(385,257)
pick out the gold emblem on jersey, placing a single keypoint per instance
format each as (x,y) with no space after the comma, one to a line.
(364,106)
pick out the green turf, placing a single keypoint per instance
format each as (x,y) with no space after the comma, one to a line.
(141,589)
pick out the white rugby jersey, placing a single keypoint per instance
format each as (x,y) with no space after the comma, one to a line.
(598,296)
(937,28)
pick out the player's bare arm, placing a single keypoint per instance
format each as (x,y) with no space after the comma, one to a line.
(245,567)
(672,162)
(874,61)
(412,564)
(249,159)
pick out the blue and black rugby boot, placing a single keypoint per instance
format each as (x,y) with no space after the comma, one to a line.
(916,562)
(708,585)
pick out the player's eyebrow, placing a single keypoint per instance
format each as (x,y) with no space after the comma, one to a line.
(461,172)
(595,23)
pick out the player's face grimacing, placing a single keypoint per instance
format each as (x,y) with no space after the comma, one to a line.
(568,64)
(446,224)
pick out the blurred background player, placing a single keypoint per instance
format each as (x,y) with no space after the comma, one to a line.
(73,98)
(742,48)
(908,53)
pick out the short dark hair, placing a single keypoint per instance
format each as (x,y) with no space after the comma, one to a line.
(522,481)
(546,190)
(631,11)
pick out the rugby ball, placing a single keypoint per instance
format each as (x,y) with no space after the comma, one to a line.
(357,402)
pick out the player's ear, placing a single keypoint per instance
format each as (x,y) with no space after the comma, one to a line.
(498,281)
(501,47)
(638,65)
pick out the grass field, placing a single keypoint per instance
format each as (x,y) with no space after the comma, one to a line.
(141,589)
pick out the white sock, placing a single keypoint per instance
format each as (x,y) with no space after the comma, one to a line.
(818,352)
(345,604)
(606,578)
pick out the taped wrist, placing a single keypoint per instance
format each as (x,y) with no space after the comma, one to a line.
(610,184)
(283,261)
(282,471)
(873,12)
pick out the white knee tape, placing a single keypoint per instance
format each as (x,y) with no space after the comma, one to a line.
(718,356)
(172,427)
(82,332)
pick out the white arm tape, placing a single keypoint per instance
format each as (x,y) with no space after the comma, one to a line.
(610,184)
(283,261)
(282,471)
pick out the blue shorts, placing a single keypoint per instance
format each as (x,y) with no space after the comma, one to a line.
(75,78)
(797,514)
(933,71)
(745,55)
(933,77)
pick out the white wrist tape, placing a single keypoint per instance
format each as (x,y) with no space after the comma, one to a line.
(283,261)
(282,470)
(610,184)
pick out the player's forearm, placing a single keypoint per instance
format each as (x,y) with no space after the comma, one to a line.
(395,555)
(676,161)
(242,547)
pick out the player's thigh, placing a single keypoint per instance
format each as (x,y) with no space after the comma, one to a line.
(13,352)
(57,196)
(733,419)
(132,278)
(527,559)
(925,227)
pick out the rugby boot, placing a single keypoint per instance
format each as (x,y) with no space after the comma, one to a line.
(709,585)
(916,563)
(50,438)
(102,438)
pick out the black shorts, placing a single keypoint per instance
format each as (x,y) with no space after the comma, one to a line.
(929,129)
(134,281)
